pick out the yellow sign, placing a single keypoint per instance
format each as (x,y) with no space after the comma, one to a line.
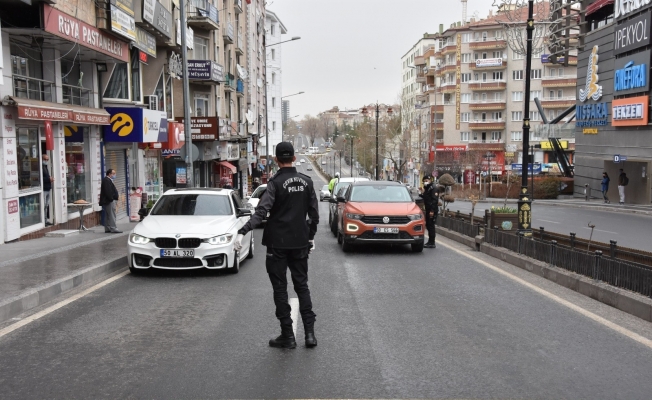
(122,124)
(546,145)
(590,131)
(509,154)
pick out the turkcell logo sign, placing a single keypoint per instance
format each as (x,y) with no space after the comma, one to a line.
(632,74)
(591,115)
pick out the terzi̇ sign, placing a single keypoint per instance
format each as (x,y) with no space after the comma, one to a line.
(591,115)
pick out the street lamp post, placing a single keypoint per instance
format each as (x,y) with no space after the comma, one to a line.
(365,112)
(186,95)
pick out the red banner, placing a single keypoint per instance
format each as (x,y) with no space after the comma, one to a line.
(49,138)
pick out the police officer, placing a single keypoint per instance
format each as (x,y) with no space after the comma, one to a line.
(430,196)
(289,238)
(333,182)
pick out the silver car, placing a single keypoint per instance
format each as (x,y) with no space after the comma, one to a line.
(324,193)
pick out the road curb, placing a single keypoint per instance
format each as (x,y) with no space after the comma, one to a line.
(47,292)
(629,302)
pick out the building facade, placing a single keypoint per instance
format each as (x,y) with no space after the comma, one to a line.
(274,31)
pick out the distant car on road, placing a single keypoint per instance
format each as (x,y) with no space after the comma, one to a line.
(323,163)
(309,169)
(298,164)
(324,193)
(379,212)
(340,186)
(189,229)
(303,160)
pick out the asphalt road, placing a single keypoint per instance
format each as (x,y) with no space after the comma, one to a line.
(446,323)
(629,230)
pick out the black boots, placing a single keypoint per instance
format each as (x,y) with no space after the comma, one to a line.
(430,244)
(286,340)
(311,340)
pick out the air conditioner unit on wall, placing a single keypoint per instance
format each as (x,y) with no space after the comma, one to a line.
(152,102)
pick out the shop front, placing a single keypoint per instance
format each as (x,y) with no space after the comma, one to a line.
(204,131)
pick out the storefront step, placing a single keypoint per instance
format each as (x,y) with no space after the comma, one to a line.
(62,233)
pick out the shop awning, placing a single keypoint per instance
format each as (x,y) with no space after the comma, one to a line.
(230,166)
(597,5)
(47,111)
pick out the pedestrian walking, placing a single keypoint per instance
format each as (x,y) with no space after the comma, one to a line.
(47,189)
(430,196)
(290,198)
(605,187)
(109,197)
(623,181)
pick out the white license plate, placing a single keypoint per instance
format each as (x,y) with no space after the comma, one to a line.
(178,253)
(385,230)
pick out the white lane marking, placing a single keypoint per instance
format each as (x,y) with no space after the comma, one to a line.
(600,230)
(294,314)
(57,306)
(626,332)
(545,220)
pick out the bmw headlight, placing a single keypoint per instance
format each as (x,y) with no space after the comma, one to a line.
(354,216)
(415,217)
(222,239)
(137,239)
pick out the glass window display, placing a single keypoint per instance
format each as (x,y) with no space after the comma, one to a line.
(29,159)
(30,210)
(77,173)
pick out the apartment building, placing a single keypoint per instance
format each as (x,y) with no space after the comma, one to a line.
(256,101)
(274,31)
(473,83)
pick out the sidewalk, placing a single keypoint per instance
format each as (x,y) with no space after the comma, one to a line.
(596,204)
(34,272)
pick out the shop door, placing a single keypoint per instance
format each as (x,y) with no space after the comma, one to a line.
(116,159)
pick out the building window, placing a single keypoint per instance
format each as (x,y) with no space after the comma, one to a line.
(135,78)
(466,97)
(517,115)
(465,116)
(466,37)
(465,136)
(272,29)
(498,35)
(535,74)
(274,126)
(273,54)
(498,96)
(496,135)
(498,54)
(118,86)
(160,93)
(78,176)
(497,115)
(466,77)
(168,97)
(28,155)
(497,76)
(273,102)
(517,136)
(200,52)
(517,96)
(534,116)
(273,78)
(535,94)
(201,104)
(518,56)
(466,58)
(517,75)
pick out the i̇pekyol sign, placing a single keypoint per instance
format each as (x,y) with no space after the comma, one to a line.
(632,111)
(631,74)
(623,8)
(632,34)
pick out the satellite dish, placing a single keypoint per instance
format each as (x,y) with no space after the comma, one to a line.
(241,71)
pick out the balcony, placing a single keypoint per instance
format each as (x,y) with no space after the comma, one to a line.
(238,6)
(448,87)
(239,46)
(76,95)
(421,77)
(487,124)
(438,108)
(438,124)
(488,44)
(449,103)
(559,81)
(449,48)
(489,84)
(447,68)
(419,60)
(558,102)
(230,83)
(35,89)
(487,145)
(487,105)
(202,14)
(422,96)
(485,66)
(229,34)
(239,89)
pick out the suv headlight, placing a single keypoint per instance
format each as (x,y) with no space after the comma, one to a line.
(415,217)
(137,239)
(354,216)
(222,239)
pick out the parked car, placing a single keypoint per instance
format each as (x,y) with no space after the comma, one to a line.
(189,229)
(252,201)
(379,212)
(324,193)
(341,184)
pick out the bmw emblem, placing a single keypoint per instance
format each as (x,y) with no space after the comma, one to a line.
(386,220)
(178,235)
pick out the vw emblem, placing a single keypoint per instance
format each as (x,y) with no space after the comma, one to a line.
(178,235)
(386,220)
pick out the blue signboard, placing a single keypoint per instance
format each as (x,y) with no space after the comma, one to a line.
(74,133)
(136,125)
(518,169)
(588,115)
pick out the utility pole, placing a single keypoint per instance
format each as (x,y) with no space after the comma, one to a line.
(186,95)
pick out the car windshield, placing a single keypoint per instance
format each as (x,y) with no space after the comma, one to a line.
(380,194)
(193,204)
(324,188)
(258,193)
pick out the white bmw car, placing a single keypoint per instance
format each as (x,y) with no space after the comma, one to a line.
(190,229)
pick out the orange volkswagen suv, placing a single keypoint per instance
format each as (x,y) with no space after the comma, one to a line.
(379,212)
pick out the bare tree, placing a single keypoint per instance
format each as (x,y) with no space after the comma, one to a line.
(310,128)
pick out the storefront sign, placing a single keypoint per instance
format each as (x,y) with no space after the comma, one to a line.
(589,115)
(91,118)
(136,125)
(122,23)
(146,42)
(190,35)
(631,74)
(622,8)
(534,170)
(452,148)
(203,128)
(44,114)
(126,6)
(546,145)
(158,16)
(458,81)
(488,62)
(174,65)
(632,34)
(592,90)
(205,70)
(590,131)
(10,177)
(73,133)
(233,151)
(12,219)
(632,111)
(70,28)
(176,136)
(225,129)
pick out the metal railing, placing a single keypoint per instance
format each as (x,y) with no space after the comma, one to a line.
(33,88)
(487,121)
(549,78)
(76,95)
(563,98)
(489,101)
(489,81)
(202,8)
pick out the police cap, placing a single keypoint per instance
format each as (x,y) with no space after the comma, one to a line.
(284,149)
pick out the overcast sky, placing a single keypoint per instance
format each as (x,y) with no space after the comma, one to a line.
(350,50)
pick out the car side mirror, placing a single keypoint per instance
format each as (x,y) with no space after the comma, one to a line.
(341,199)
(143,212)
(243,212)
(332,199)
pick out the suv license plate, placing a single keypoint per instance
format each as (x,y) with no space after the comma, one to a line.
(178,253)
(385,230)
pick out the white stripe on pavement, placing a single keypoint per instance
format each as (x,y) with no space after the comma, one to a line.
(626,332)
(57,306)
(294,314)
(545,220)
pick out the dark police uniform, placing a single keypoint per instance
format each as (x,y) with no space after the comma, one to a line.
(289,199)
(430,198)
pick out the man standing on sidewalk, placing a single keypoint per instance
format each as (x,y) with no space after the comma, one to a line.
(623,181)
(430,197)
(47,188)
(289,235)
(109,197)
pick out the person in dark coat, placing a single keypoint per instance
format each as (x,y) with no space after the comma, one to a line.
(109,197)
(605,187)
(430,196)
(47,188)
